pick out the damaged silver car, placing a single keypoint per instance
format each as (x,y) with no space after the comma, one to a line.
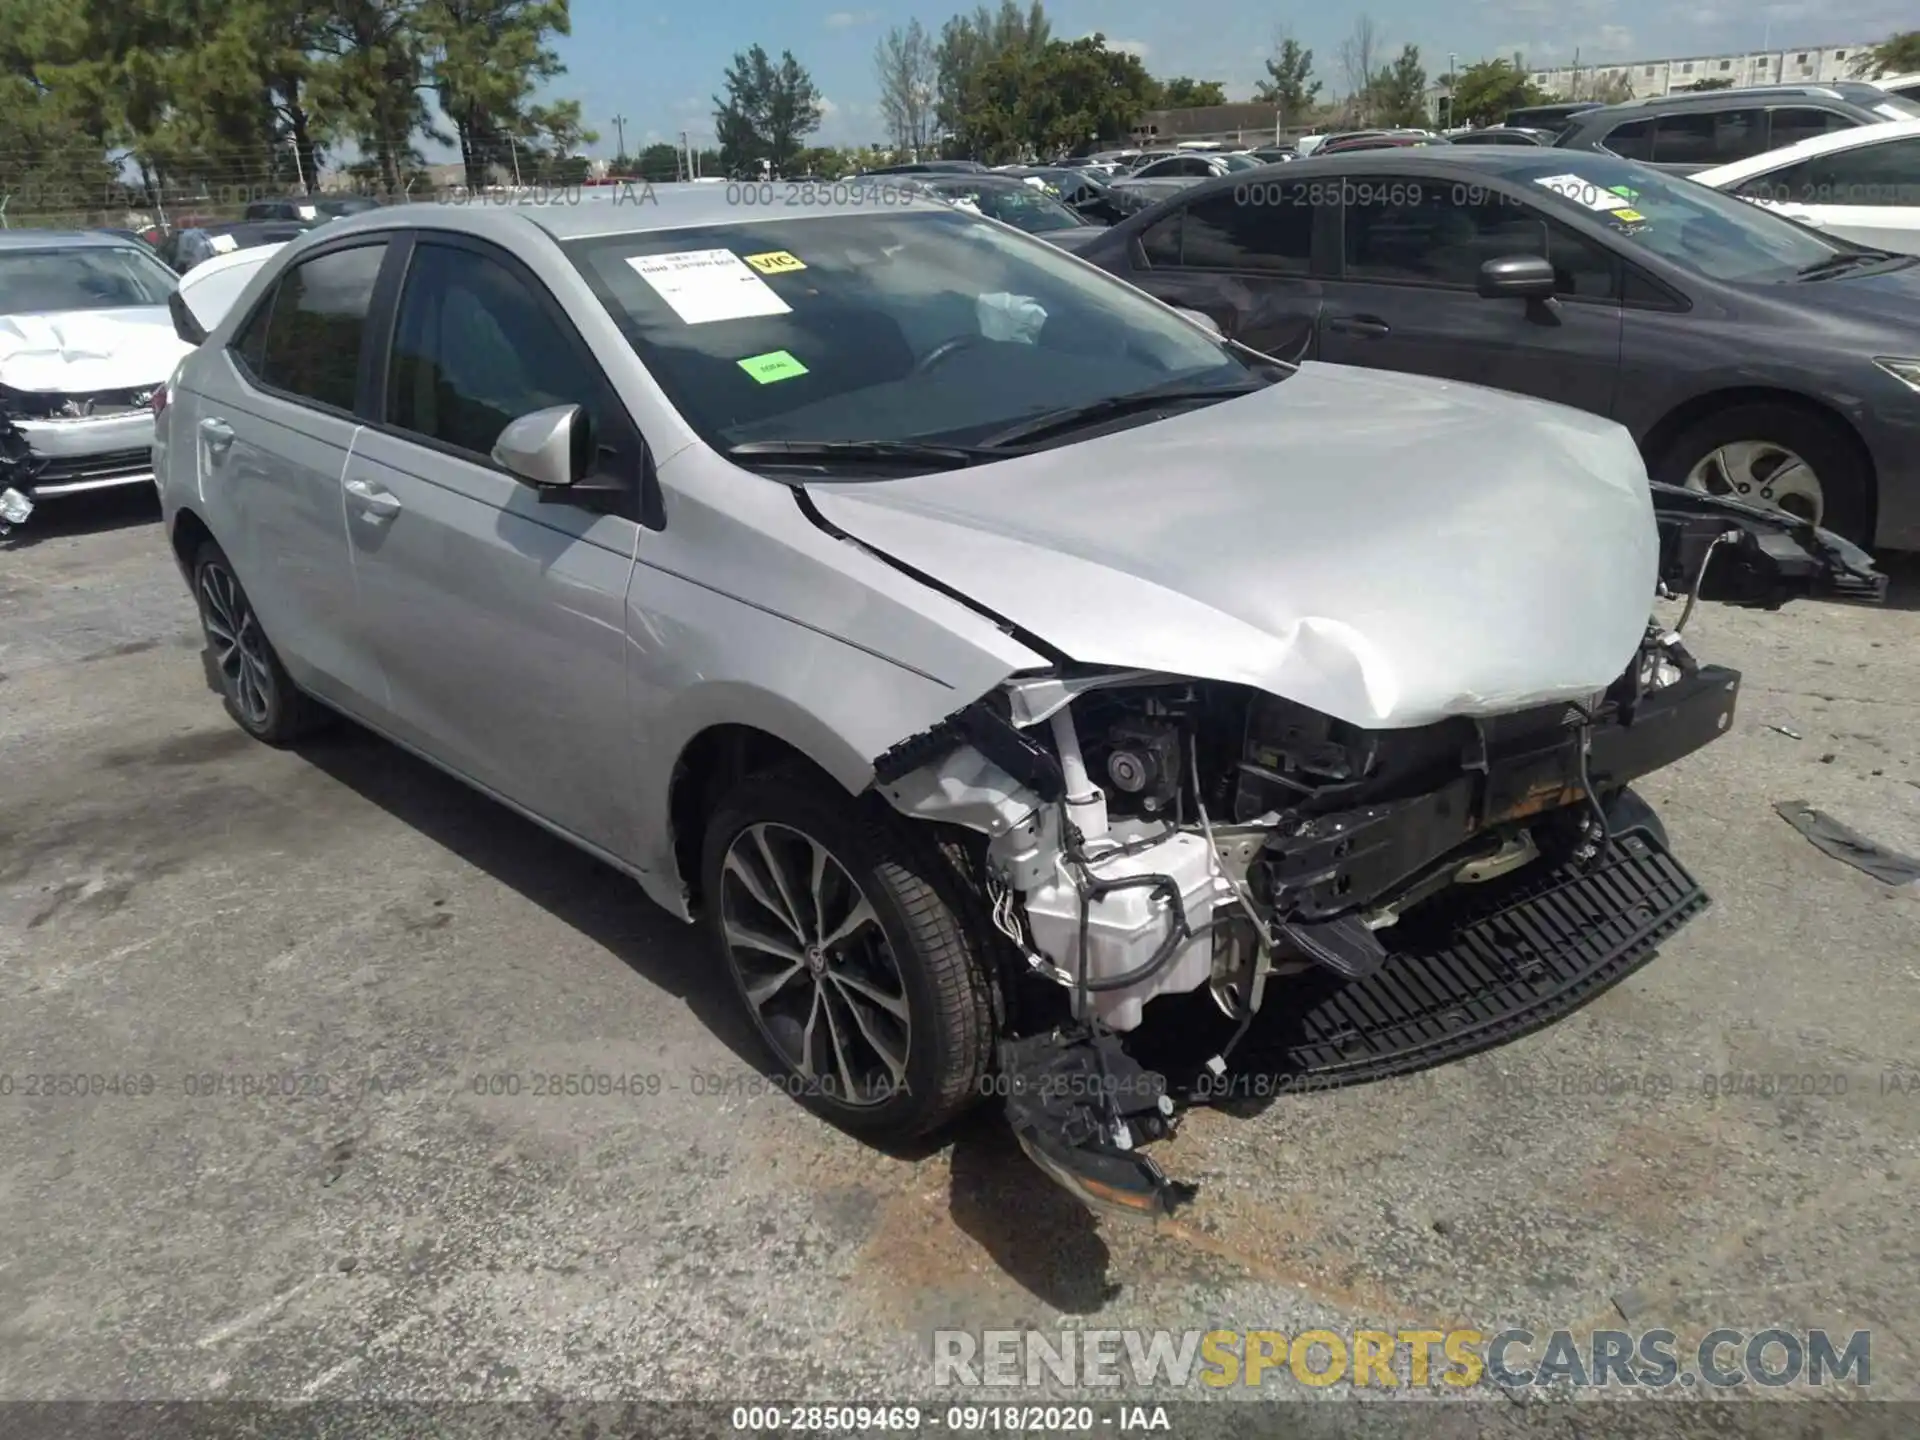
(1019,683)
(86,341)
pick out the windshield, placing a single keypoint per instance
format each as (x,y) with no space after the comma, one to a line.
(103,277)
(925,326)
(1025,207)
(1677,219)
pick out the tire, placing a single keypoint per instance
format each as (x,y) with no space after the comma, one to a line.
(1846,480)
(253,683)
(917,951)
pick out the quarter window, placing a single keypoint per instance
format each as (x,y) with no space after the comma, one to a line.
(305,338)
(1631,141)
(474,349)
(1255,226)
(1793,123)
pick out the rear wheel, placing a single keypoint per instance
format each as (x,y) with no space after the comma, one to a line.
(253,683)
(849,948)
(1776,457)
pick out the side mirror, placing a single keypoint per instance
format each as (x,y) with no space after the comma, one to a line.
(550,449)
(1517,277)
(1205,322)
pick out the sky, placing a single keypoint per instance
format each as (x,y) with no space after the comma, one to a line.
(660,65)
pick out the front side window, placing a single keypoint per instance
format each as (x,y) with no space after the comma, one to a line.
(314,323)
(886,325)
(1709,138)
(1873,175)
(94,277)
(1426,234)
(474,349)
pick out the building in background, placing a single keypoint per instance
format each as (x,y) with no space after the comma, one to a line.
(1249,124)
(1814,66)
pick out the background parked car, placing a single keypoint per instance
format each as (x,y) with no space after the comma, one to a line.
(1863,183)
(310,207)
(1746,354)
(1012,201)
(930,167)
(1554,118)
(85,340)
(1171,174)
(1691,132)
(184,249)
(1381,142)
(1083,191)
(1501,135)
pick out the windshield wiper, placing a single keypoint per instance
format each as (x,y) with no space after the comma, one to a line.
(862,452)
(1834,264)
(1073,417)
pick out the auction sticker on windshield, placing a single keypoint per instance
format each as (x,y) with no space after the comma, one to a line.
(774,365)
(707,285)
(1584,192)
(776,262)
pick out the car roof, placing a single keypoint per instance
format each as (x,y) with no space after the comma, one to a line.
(1849,92)
(63,240)
(635,209)
(1800,150)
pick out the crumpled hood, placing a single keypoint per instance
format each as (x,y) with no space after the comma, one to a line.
(1385,549)
(78,351)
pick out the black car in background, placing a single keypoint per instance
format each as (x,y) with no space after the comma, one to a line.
(1698,130)
(185,248)
(1747,355)
(1011,200)
(1083,192)
(1502,135)
(1554,118)
(310,207)
(931,167)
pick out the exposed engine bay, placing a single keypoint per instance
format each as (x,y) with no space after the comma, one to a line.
(1443,888)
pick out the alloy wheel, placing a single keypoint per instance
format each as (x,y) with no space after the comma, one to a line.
(1762,474)
(817,969)
(239,645)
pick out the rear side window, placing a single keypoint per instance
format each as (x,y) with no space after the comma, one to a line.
(314,322)
(1266,227)
(1631,141)
(1709,138)
(1794,123)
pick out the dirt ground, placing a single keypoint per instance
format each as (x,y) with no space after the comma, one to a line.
(322,975)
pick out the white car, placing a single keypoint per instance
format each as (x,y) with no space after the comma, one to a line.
(1862,184)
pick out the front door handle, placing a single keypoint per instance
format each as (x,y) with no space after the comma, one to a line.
(1367,327)
(218,434)
(376,504)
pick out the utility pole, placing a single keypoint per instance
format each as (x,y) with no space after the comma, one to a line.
(1453,89)
(684,161)
(620,128)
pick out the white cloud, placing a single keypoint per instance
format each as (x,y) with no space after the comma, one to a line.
(828,109)
(1136,48)
(846,19)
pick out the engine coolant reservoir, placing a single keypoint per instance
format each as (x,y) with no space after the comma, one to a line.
(1127,927)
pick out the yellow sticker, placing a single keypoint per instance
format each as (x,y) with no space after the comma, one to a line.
(775,262)
(1632,217)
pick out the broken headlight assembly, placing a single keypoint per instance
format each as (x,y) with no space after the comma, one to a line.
(1389,899)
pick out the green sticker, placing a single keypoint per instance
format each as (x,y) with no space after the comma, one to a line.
(774,365)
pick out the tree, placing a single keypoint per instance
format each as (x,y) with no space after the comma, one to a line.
(970,43)
(769,109)
(1896,55)
(1068,94)
(1398,94)
(484,59)
(1487,89)
(909,77)
(660,163)
(1289,84)
(1616,89)
(1181,93)
(1359,54)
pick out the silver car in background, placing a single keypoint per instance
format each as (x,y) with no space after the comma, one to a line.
(85,342)
(1010,675)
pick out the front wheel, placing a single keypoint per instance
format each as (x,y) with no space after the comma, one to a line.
(850,951)
(1776,457)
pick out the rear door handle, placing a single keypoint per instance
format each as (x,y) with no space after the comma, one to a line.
(376,504)
(217,433)
(1367,327)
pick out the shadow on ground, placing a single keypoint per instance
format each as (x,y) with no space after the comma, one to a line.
(89,513)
